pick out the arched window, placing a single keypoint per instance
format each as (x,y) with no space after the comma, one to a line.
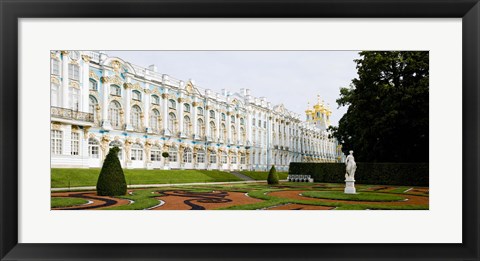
(171,122)
(242,121)
(213,157)
(199,111)
(136,152)
(154,119)
(212,114)
(54,94)
(253,122)
(186,125)
(223,116)
(200,128)
(234,133)
(136,95)
(186,107)
(93,148)
(232,119)
(187,155)
(135,116)
(93,86)
(201,156)
(118,144)
(155,100)
(74,98)
(223,132)
(224,158)
(213,129)
(233,158)
(172,104)
(114,114)
(172,154)
(155,153)
(92,107)
(115,90)
(244,135)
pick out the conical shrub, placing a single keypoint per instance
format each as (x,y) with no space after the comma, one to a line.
(272,176)
(111,181)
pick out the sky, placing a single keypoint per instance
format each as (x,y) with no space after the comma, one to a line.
(292,78)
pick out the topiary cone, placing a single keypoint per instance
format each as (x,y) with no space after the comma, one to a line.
(272,176)
(111,181)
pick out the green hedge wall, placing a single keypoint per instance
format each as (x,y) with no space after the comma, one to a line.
(402,174)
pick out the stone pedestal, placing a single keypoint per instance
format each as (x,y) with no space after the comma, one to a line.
(350,186)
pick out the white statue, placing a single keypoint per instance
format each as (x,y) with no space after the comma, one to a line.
(351,166)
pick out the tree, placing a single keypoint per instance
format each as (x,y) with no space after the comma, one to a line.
(272,176)
(387,116)
(111,181)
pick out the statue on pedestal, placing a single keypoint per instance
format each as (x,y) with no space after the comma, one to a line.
(350,175)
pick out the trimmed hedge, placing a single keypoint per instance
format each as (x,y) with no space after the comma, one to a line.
(111,181)
(400,174)
(272,176)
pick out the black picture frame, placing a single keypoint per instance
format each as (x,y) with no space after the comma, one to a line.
(11,11)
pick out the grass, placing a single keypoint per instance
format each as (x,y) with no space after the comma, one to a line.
(66,178)
(60,202)
(262,175)
(362,196)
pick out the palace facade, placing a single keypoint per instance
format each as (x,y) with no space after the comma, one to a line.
(98,102)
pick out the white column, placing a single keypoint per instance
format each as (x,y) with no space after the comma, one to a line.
(194,117)
(239,135)
(85,84)
(217,117)
(249,127)
(146,108)
(105,87)
(228,125)
(166,132)
(180,116)
(206,116)
(65,79)
(127,99)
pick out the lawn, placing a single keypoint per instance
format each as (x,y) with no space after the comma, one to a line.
(67,202)
(262,175)
(65,178)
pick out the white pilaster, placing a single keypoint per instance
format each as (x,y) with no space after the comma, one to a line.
(166,132)
(65,80)
(146,108)
(105,87)
(127,109)
(85,84)
(180,115)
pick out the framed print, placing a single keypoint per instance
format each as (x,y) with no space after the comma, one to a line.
(363,115)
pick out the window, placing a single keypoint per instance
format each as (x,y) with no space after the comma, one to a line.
(187,155)
(265,124)
(92,106)
(115,90)
(213,130)
(186,125)
(137,152)
(56,142)
(55,67)
(54,94)
(244,135)
(154,120)
(254,157)
(118,144)
(213,157)
(172,154)
(242,159)
(74,98)
(199,111)
(201,156)
(155,100)
(224,158)
(93,148)
(253,121)
(242,121)
(74,72)
(155,154)
(233,159)
(212,114)
(259,123)
(136,117)
(136,95)
(223,131)
(200,128)
(172,104)
(223,116)
(234,134)
(114,114)
(171,122)
(232,119)
(93,86)
(186,107)
(75,143)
